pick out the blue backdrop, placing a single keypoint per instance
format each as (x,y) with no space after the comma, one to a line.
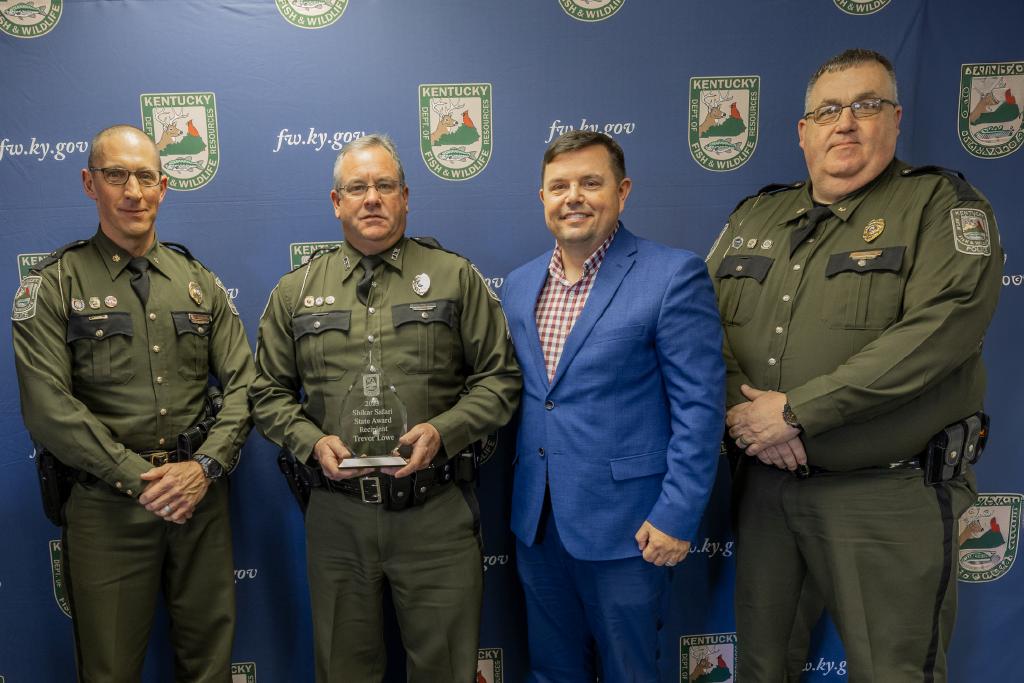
(251,99)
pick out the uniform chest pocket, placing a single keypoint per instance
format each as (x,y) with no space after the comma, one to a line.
(863,289)
(740,280)
(193,329)
(424,333)
(320,340)
(101,347)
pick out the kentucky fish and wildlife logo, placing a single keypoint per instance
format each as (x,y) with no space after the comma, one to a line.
(723,120)
(707,658)
(311,13)
(29,18)
(988,535)
(184,127)
(455,129)
(591,10)
(243,672)
(858,7)
(989,120)
(488,665)
(60,586)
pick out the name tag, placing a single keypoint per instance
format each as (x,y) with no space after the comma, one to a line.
(865,255)
(199,318)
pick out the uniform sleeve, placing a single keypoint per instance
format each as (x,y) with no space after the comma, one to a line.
(694,378)
(232,365)
(493,379)
(734,374)
(948,301)
(274,393)
(56,419)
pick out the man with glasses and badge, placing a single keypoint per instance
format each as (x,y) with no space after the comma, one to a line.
(854,305)
(380,363)
(115,340)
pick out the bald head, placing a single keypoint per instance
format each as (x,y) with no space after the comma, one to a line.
(125,132)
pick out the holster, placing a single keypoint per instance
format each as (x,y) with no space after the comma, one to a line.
(297,476)
(963,441)
(55,482)
(190,440)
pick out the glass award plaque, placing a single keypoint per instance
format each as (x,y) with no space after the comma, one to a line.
(372,420)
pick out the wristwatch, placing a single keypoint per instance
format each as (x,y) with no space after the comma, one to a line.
(211,468)
(789,417)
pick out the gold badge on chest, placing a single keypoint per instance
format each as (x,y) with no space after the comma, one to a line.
(195,293)
(873,229)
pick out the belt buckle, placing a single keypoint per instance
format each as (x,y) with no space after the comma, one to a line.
(373,496)
(159,459)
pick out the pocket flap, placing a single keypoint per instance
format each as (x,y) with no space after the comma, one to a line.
(745,265)
(644,465)
(865,260)
(316,323)
(192,322)
(440,311)
(99,326)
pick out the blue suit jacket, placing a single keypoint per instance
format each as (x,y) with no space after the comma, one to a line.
(629,428)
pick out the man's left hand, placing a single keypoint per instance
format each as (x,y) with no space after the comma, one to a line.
(758,424)
(659,548)
(174,490)
(425,441)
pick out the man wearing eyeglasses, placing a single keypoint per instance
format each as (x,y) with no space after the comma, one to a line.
(854,306)
(115,338)
(388,314)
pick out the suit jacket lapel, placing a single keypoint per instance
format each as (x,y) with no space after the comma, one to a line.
(536,278)
(617,263)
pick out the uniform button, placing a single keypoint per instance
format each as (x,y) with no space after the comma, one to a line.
(316,325)
(796,267)
(549,405)
(424,314)
(905,171)
(152,316)
(99,333)
(159,379)
(400,494)
(778,330)
(371,310)
(129,492)
(739,268)
(118,484)
(772,361)
(156,348)
(163,411)
(862,263)
(200,330)
(373,284)
(369,338)
(161,441)
(423,489)
(810,241)
(540,452)
(785,297)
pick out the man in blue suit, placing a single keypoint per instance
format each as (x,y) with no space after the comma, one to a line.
(621,417)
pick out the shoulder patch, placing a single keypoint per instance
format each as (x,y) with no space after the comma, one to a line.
(965,192)
(25,298)
(227,294)
(970,232)
(55,255)
(773,188)
(484,280)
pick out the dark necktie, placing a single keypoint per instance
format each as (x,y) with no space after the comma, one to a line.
(139,268)
(367,263)
(814,216)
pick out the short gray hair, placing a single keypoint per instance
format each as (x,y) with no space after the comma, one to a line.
(846,60)
(365,142)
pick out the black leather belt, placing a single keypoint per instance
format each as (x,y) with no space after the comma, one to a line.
(805,471)
(158,458)
(392,493)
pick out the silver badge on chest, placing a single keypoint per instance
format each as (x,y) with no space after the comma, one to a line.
(421,284)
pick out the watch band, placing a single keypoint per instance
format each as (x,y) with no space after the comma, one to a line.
(211,468)
(789,417)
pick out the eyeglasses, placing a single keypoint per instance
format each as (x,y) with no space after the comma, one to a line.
(119,176)
(359,189)
(862,109)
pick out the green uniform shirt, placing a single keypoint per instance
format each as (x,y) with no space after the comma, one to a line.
(102,377)
(435,329)
(873,325)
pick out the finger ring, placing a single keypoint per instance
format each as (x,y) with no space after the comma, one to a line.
(741,442)
(166,510)
(670,564)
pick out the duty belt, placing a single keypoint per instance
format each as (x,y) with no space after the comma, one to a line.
(392,493)
(158,458)
(804,471)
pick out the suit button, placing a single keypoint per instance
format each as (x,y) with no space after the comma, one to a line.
(540,452)
(549,405)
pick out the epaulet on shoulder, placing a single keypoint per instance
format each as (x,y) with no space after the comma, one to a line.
(432,243)
(964,191)
(55,255)
(316,254)
(183,250)
(773,188)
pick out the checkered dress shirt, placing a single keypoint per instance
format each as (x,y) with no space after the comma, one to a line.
(561,302)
